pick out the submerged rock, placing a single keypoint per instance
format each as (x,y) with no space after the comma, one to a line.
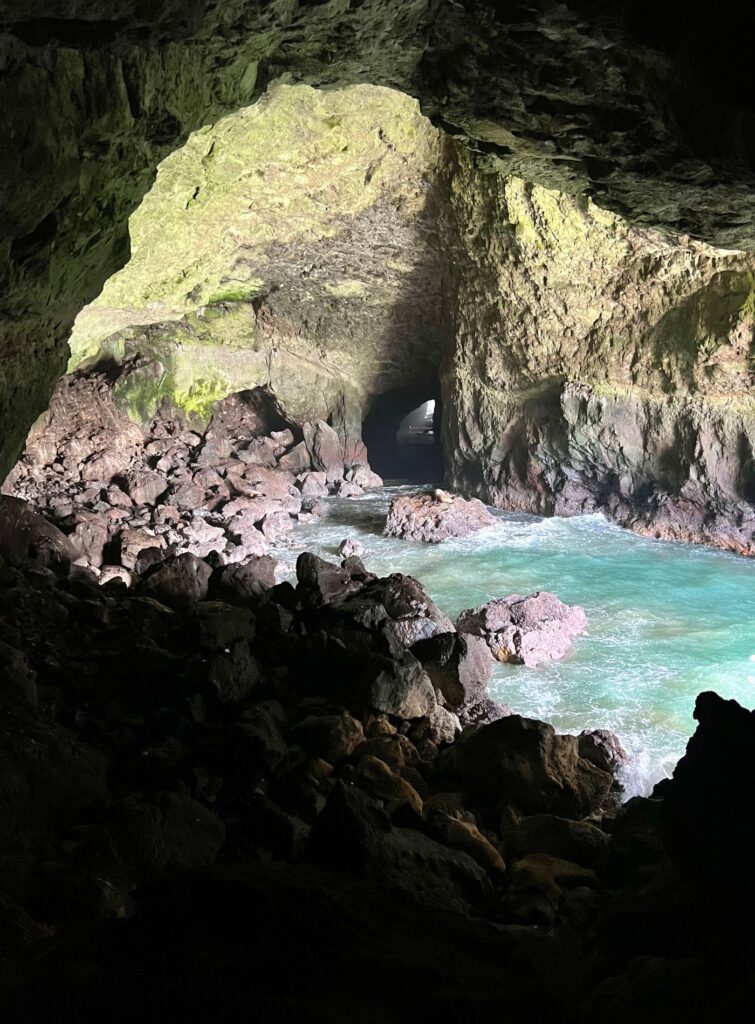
(525,630)
(425,517)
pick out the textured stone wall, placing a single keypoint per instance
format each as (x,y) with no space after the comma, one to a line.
(596,365)
(574,96)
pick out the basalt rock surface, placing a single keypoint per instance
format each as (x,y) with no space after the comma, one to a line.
(195,786)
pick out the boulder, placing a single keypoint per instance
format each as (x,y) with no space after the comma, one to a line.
(332,737)
(312,485)
(525,630)
(526,763)
(27,539)
(134,541)
(364,477)
(325,449)
(348,548)
(244,580)
(577,841)
(603,748)
(423,517)
(398,687)
(181,581)
(297,460)
(91,535)
(145,486)
(459,665)
(410,613)
(321,582)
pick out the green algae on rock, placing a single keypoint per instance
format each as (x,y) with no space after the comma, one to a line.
(289,245)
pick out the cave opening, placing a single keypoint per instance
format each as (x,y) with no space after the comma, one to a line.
(403,436)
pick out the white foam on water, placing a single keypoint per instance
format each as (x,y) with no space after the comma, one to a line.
(665,620)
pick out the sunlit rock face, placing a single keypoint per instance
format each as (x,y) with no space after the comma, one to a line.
(330,245)
(609,102)
(290,246)
(597,365)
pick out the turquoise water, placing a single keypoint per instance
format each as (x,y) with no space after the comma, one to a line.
(665,620)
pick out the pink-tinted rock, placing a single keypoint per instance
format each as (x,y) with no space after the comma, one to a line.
(325,449)
(525,630)
(145,486)
(297,460)
(423,517)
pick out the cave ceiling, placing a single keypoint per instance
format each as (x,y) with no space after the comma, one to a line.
(646,111)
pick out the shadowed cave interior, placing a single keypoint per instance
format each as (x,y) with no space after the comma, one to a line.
(376,526)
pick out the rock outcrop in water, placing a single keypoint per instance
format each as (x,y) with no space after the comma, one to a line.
(525,630)
(428,518)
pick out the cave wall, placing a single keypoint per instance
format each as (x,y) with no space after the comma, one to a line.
(573,96)
(291,246)
(595,364)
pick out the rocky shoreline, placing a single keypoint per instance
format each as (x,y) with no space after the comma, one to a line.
(207,744)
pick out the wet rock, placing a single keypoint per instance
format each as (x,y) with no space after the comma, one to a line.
(181,581)
(460,666)
(347,548)
(26,538)
(322,582)
(422,517)
(364,477)
(603,748)
(347,490)
(525,630)
(528,764)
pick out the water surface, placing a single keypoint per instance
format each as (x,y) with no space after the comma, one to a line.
(665,620)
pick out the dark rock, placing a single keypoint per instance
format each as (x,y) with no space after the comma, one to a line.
(525,630)
(707,827)
(146,487)
(422,517)
(17,678)
(603,748)
(321,582)
(460,666)
(526,763)
(484,712)
(398,687)
(332,737)
(181,581)
(234,673)
(244,581)
(26,538)
(577,841)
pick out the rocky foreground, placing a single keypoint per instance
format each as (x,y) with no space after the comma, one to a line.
(224,797)
(129,496)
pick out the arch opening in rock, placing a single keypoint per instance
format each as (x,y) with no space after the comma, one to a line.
(402,434)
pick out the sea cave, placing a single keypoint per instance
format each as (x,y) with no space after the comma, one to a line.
(377,519)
